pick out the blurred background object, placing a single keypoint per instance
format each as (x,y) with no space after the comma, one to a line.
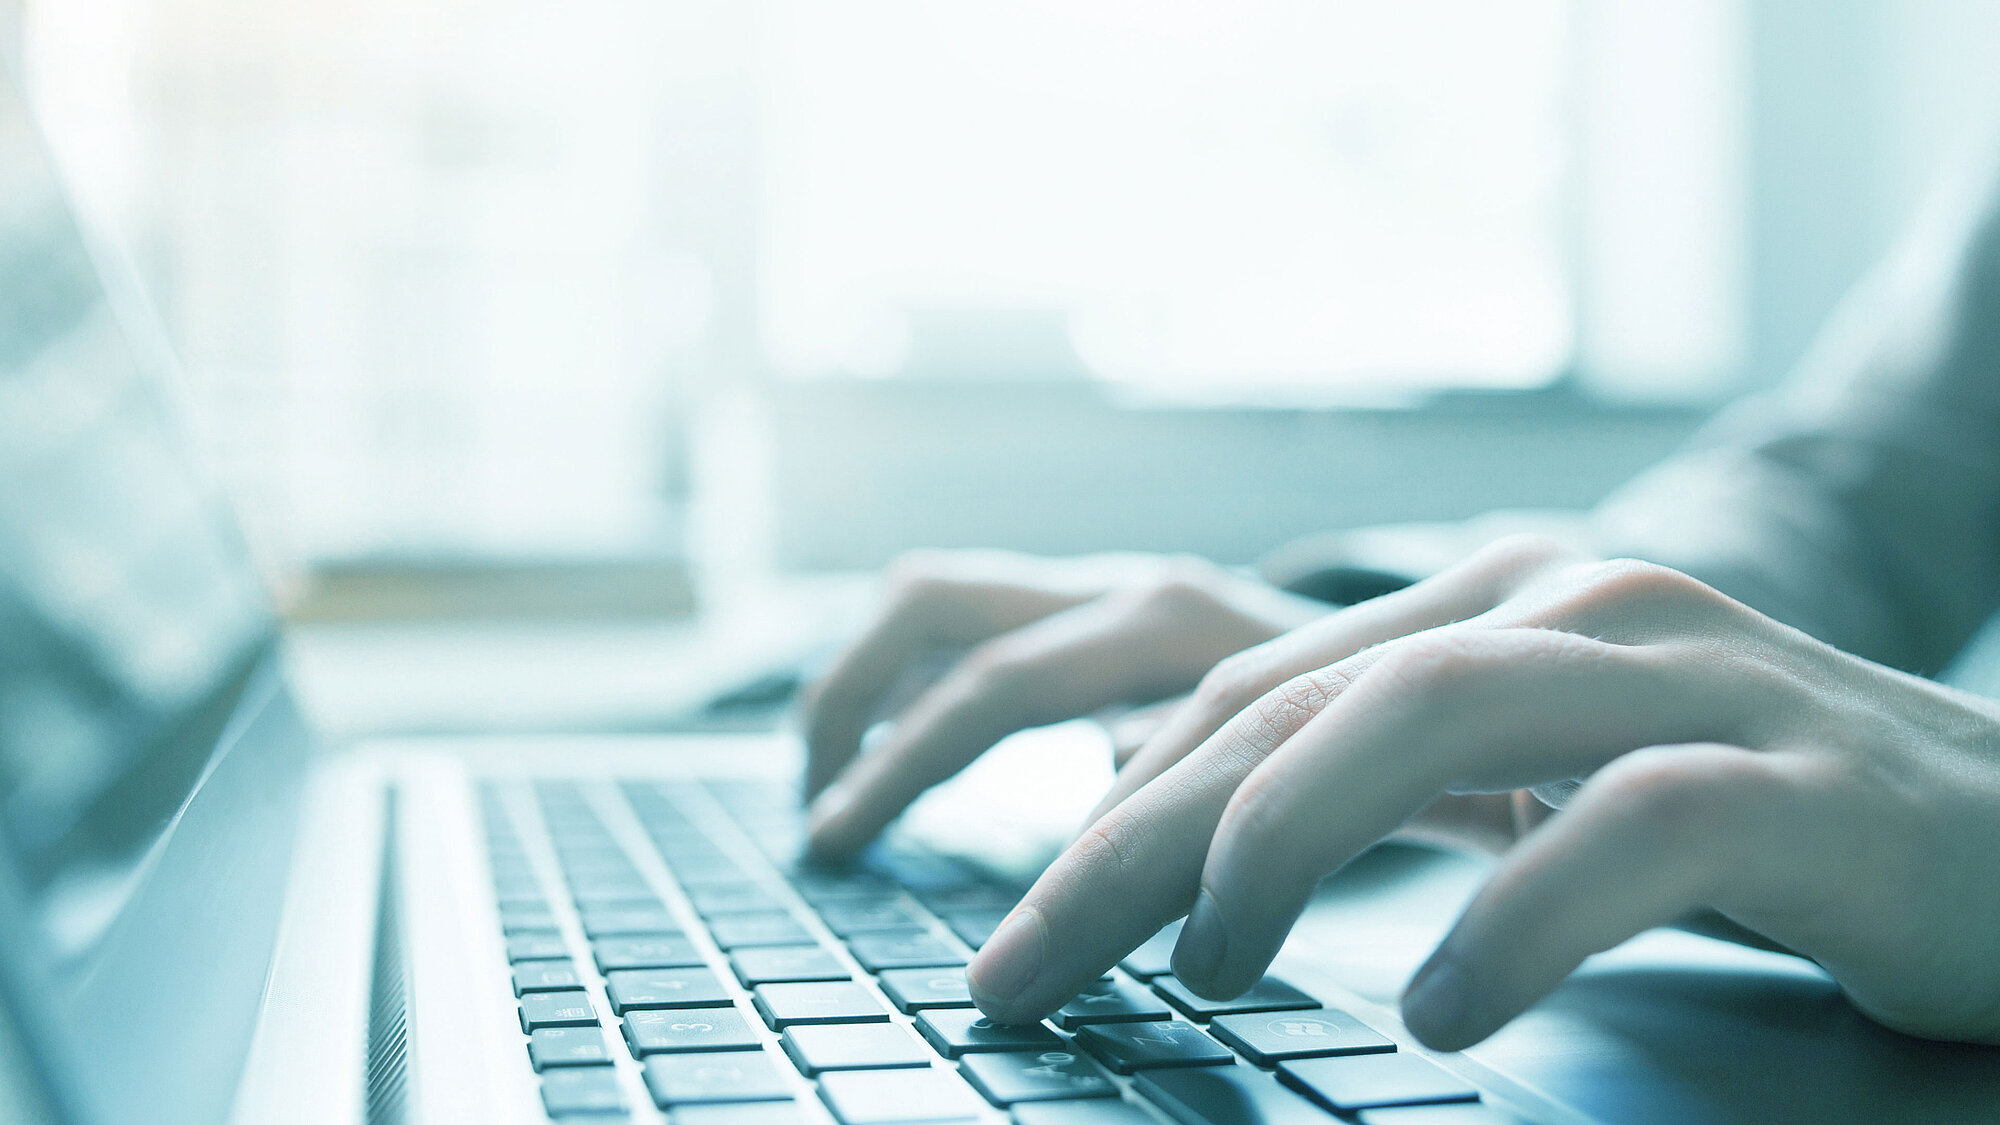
(617,308)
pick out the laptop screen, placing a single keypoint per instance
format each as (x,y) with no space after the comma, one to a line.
(126,605)
(140,855)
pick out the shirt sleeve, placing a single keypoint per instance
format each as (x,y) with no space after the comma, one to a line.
(1860,501)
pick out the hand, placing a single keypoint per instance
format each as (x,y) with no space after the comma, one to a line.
(1049,640)
(1707,756)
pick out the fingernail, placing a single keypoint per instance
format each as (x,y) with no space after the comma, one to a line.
(1006,966)
(1198,955)
(1434,1007)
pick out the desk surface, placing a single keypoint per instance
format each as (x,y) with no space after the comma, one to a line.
(358,679)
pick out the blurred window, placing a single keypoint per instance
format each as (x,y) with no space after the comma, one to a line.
(1324,195)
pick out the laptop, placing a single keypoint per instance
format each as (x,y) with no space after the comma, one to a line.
(206,916)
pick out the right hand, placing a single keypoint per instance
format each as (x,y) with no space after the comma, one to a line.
(1045,640)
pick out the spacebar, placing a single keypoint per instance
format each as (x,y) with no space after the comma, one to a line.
(1232,1095)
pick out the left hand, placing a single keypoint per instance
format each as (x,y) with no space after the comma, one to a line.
(1725,761)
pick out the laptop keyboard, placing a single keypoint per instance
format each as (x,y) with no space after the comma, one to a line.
(707,978)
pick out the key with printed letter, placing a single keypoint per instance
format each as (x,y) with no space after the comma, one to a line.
(893,1097)
(730,1076)
(784,1005)
(545,976)
(1267,995)
(916,989)
(853,1046)
(902,949)
(567,1046)
(1130,1047)
(664,988)
(1268,1038)
(557,1009)
(1110,1001)
(773,964)
(958,1031)
(1355,1082)
(581,1089)
(1009,1077)
(656,1031)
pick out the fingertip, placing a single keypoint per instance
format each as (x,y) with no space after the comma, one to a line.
(1445,1010)
(1002,975)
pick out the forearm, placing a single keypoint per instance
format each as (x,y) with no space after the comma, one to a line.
(1861,502)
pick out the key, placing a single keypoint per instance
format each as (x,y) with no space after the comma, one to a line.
(971,896)
(740,1113)
(618,899)
(901,949)
(646,951)
(732,1076)
(519,890)
(892,1097)
(958,1031)
(1130,1047)
(1267,995)
(915,989)
(784,1005)
(853,1046)
(1266,1039)
(733,898)
(536,947)
(567,1046)
(973,927)
(519,919)
(1156,956)
(656,1031)
(664,988)
(820,886)
(1110,1001)
(581,1089)
(1456,1113)
(707,871)
(545,976)
(1352,1082)
(1007,1077)
(1225,1095)
(734,931)
(860,916)
(594,886)
(769,964)
(557,1009)
(1095,1111)
(599,922)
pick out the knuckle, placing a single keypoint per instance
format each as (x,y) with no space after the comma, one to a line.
(1232,684)
(1678,795)
(1431,665)
(1112,844)
(1182,584)
(1522,552)
(1621,581)
(1298,699)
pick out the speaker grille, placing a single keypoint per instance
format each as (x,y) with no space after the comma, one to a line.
(388,1071)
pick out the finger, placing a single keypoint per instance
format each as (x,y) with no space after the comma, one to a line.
(1068,664)
(1653,836)
(1455,710)
(948,601)
(1471,588)
(1133,870)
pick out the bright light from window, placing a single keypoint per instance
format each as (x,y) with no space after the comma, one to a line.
(1279,195)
